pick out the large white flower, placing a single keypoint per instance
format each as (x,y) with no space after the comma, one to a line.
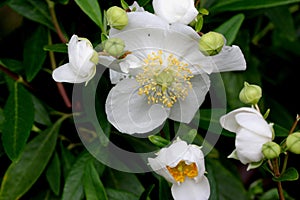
(169,75)
(252,131)
(81,67)
(183,165)
(181,11)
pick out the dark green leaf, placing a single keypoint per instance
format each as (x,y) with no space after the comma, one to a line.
(40,113)
(67,160)
(34,55)
(143,3)
(13,65)
(61,48)
(24,172)
(53,174)
(291,174)
(232,5)
(35,10)
(273,194)
(93,187)
(114,194)
(146,194)
(164,189)
(92,9)
(2,119)
(231,27)
(19,116)
(73,189)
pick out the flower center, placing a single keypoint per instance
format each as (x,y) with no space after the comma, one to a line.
(181,170)
(164,80)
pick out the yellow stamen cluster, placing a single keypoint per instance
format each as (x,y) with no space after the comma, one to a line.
(181,170)
(164,80)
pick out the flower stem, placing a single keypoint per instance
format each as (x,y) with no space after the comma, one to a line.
(60,86)
(277,174)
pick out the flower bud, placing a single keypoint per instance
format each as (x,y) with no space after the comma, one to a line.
(114,46)
(250,94)
(117,17)
(271,150)
(158,140)
(293,143)
(211,43)
(95,58)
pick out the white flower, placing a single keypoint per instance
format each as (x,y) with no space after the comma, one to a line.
(175,11)
(135,7)
(252,131)
(183,165)
(166,76)
(81,67)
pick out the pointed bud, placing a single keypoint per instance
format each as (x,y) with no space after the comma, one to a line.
(211,43)
(250,94)
(114,47)
(158,140)
(117,17)
(293,143)
(271,150)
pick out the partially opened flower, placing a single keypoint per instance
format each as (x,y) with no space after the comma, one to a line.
(183,166)
(252,131)
(82,62)
(180,11)
(164,73)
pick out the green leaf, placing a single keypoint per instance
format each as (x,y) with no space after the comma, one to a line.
(67,160)
(2,119)
(73,189)
(34,55)
(19,116)
(35,10)
(41,115)
(164,189)
(218,177)
(189,136)
(158,140)
(53,174)
(60,48)
(92,9)
(231,27)
(146,194)
(233,5)
(114,194)
(13,65)
(24,172)
(93,187)
(291,174)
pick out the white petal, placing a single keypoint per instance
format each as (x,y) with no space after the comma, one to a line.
(116,77)
(184,110)
(255,123)
(129,112)
(228,121)
(66,73)
(136,7)
(190,190)
(160,168)
(195,155)
(229,59)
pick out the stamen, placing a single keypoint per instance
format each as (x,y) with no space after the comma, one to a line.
(181,170)
(164,80)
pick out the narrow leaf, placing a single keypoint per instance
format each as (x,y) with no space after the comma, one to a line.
(291,174)
(24,172)
(35,10)
(114,194)
(41,115)
(19,116)
(73,189)
(61,48)
(92,9)
(53,174)
(34,55)
(231,27)
(93,187)
(67,160)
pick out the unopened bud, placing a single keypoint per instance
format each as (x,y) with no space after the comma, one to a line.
(293,143)
(158,140)
(250,94)
(271,150)
(95,58)
(114,46)
(117,17)
(211,43)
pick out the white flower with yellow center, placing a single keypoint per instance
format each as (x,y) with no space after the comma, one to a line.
(183,166)
(164,75)
(82,62)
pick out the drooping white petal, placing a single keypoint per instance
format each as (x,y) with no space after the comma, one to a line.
(184,110)
(195,155)
(65,73)
(229,59)
(228,121)
(175,10)
(254,122)
(190,190)
(129,112)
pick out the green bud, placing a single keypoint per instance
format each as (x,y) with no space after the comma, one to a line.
(114,46)
(117,17)
(95,58)
(158,140)
(250,94)
(271,150)
(293,143)
(211,43)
